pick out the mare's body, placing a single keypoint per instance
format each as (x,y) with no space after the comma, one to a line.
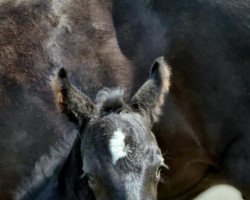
(206,132)
(35,36)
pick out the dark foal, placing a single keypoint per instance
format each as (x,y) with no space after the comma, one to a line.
(115,155)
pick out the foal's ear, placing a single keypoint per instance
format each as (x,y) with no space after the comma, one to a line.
(150,97)
(70,101)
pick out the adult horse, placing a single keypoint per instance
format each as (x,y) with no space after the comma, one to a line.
(205,131)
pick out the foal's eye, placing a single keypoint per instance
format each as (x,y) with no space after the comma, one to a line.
(91,180)
(158,173)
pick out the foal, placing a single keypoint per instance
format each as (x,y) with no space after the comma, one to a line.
(115,155)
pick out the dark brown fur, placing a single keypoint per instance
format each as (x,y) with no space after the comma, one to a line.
(205,127)
(34,39)
(86,43)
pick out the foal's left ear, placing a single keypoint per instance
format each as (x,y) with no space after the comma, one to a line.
(70,101)
(150,97)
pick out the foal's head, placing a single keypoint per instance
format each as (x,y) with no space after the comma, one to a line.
(121,158)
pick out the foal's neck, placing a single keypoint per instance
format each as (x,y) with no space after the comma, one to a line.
(64,183)
(70,184)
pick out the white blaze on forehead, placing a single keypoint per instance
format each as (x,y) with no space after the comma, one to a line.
(117,146)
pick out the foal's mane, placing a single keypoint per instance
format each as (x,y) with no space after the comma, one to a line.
(45,167)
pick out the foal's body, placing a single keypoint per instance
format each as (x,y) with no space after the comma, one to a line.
(61,176)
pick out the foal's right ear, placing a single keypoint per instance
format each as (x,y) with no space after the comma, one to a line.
(70,101)
(150,97)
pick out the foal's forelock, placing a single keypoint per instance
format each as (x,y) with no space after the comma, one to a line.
(111,101)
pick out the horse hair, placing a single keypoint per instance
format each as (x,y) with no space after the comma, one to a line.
(110,100)
(45,167)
